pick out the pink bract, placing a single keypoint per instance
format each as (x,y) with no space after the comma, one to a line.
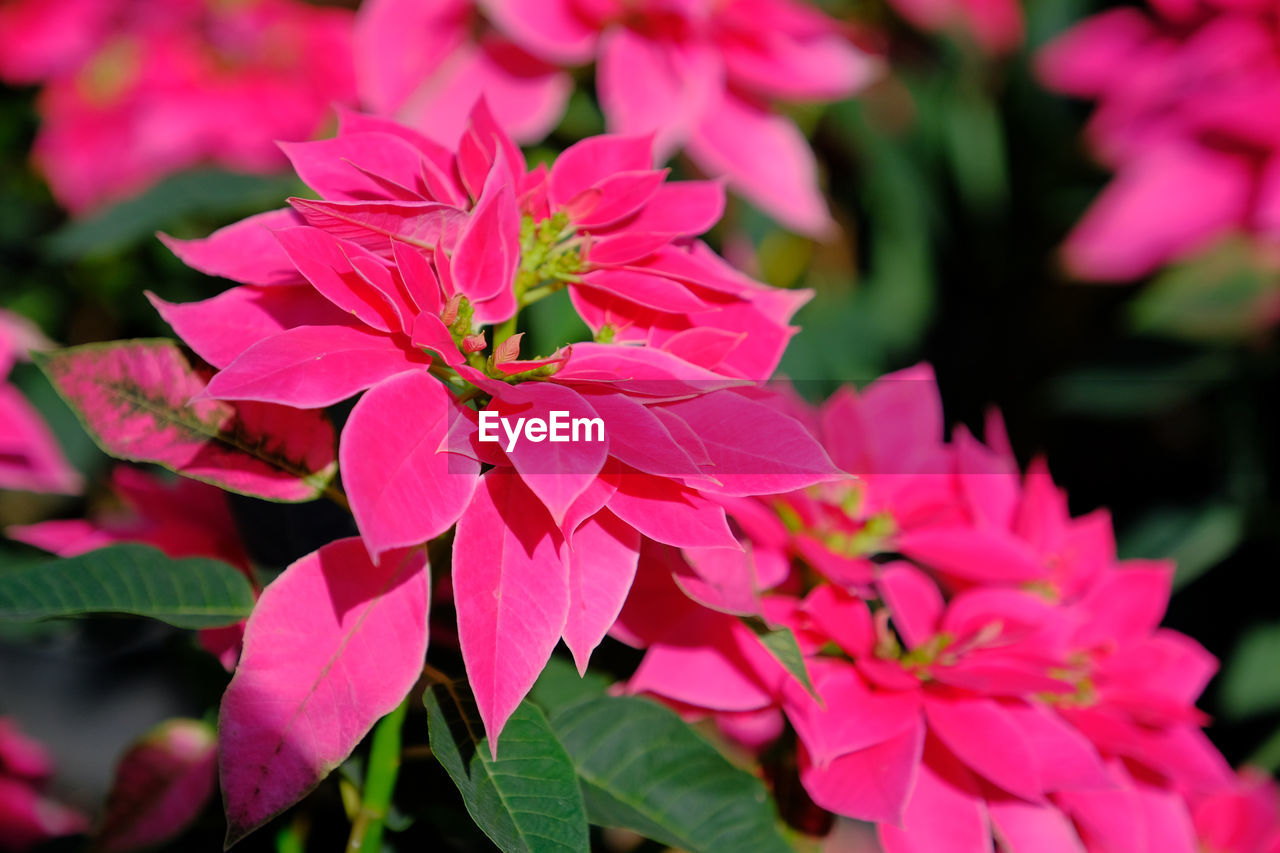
(700,76)
(1187,98)
(133,92)
(30,458)
(403,281)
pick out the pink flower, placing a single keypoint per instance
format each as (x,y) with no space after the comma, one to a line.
(422,62)
(1187,98)
(1243,819)
(1011,683)
(185,518)
(132,93)
(413,264)
(700,76)
(995,25)
(27,817)
(30,459)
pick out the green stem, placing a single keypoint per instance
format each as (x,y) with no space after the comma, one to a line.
(379,782)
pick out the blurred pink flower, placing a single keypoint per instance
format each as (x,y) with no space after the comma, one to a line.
(1188,97)
(701,75)
(1243,819)
(995,25)
(27,817)
(30,459)
(134,91)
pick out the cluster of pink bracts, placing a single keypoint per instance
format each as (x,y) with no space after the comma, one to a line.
(984,670)
(1188,98)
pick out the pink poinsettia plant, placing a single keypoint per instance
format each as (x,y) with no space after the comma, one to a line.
(133,91)
(1187,95)
(702,77)
(402,284)
(978,667)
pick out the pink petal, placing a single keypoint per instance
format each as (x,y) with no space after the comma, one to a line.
(754,448)
(340,169)
(639,438)
(616,197)
(333,644)
(590,161)
(375,224)
(982,735)
(1028,828)
(1138,225)
(851,716)
(602,563)
(914,600)
(662,510)
(766,158)
(30,458)
(526,95)
(945,810)
(511,588)
(324,260)
(685,208)
(487,255)
(652,291)
(654,85)
(245,252)
(403,491)
(221,328)
(872,784)
(311,367)
(557,472)
(1067,759)
(162,784)
(552,29)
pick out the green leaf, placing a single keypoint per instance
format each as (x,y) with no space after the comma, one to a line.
(1251,682)
(132,579)
(643,769)
(527,799)
(205,192)
(1196,538)
(782,644)
(1223,294)
(560,685)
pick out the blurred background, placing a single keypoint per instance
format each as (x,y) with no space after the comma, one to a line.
(955,180)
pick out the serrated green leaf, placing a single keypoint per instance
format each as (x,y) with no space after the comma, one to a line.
(642,768)
(782,644)
(138,580)
(527,800)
